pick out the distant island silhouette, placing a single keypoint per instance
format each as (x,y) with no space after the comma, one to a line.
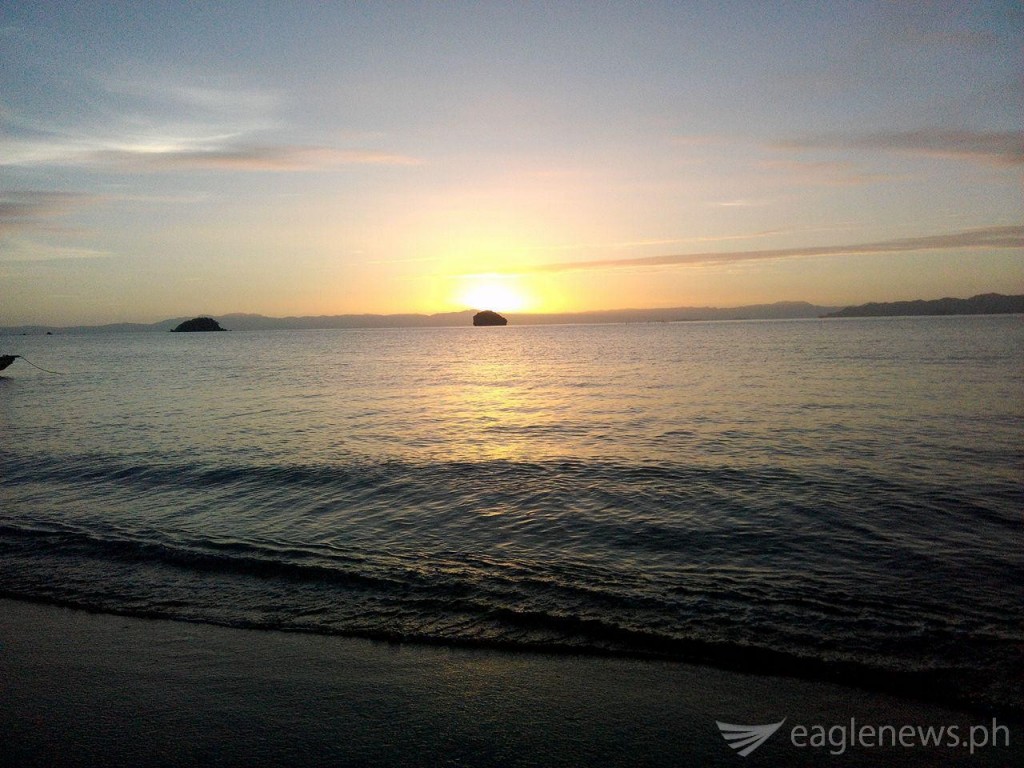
(488,317)
(198,325)
(982,304)
(989,303)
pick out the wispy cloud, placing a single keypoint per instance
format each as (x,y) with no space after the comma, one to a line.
(630,244)
(160,94)
(223,99)
(27,209)
(26,251)
(25,214)
(147,119)
(769,162)
(820,172)
(740,202)
(249,158)
(990,237)
(1003,148)
(175,154)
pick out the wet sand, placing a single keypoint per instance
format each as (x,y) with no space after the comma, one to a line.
(82,689)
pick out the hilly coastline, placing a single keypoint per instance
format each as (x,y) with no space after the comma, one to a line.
(989,303)
(982,304)
(256,322)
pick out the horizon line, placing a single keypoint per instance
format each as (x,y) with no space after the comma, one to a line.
(567,313)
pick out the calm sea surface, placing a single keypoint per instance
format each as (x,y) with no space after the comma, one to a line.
(825,498)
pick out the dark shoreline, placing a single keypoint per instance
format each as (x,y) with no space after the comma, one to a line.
(927,688)
(87,689)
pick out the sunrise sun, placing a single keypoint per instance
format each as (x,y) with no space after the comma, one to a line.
(500,293)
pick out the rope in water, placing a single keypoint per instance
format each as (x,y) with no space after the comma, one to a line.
(44,370)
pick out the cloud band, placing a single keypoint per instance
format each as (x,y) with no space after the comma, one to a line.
(990,237)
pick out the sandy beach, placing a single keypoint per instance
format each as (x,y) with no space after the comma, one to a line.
(88,689)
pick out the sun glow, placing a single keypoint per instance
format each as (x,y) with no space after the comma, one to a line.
(501,293)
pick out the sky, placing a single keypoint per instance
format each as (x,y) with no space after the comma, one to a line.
(163,159)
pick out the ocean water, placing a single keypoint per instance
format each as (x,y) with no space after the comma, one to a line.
(837,499)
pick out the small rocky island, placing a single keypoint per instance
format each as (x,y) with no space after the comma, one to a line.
(197,325)
(487,317)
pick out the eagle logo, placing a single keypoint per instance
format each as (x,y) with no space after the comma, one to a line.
(746,738)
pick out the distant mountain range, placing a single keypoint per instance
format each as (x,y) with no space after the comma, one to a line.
(982,304)
(250,322)
(989,303)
